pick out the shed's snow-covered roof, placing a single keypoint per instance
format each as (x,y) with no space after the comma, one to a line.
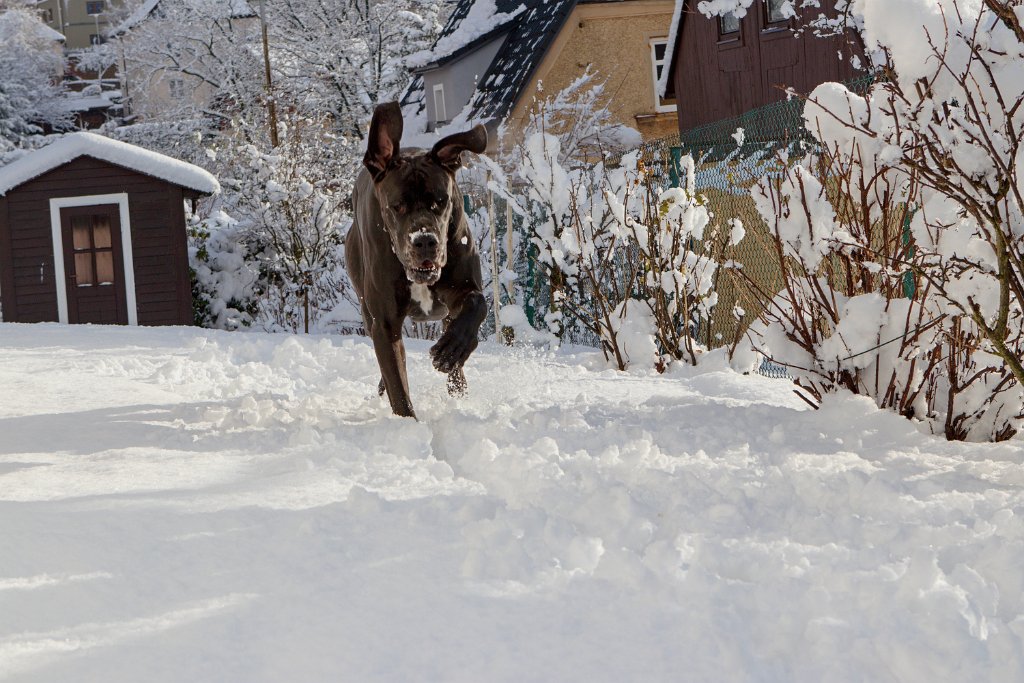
(75,145)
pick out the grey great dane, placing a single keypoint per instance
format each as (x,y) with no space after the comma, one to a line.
(409,252)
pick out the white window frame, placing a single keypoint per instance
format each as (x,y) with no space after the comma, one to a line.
(440,115)
(659,105)
(121,199)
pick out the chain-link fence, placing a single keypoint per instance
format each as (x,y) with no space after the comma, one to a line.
(730,156)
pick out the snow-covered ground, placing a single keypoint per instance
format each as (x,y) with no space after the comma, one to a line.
(184,505)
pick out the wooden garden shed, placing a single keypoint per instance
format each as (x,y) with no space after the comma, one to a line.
(92,230)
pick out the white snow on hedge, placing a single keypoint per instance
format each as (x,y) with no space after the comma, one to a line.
(69,147)
(189,505)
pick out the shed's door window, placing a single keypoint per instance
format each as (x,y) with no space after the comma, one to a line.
(728,25)
(94,250)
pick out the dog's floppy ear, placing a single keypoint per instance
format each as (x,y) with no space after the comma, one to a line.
(448,151)
(385,139)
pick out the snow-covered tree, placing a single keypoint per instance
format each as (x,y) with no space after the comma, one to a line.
(31,66)
(334,59)
(190,59)
(288,204)
(344,58)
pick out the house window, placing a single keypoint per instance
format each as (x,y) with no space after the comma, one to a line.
(96,39)
(440,115)
(176,86)
(94,7)
(728,26)
(779,11)
(659,50)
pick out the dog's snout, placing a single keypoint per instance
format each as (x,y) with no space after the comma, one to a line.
(425,247)
(424,241)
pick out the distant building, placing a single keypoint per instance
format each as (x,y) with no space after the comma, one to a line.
(486,68)
(82,22)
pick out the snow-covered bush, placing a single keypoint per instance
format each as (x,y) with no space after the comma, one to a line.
(613,246)
(901,245)
(224,279)
(288,201)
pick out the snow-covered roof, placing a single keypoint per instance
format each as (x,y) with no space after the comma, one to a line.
(11,24)
(483,17)
(80,101)
(70,147)
(670,48)
(531,31)
(47,33)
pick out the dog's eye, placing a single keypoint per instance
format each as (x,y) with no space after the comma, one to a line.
(437,205)
(399,209)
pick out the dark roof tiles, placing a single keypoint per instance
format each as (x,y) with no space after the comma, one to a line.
(530,35)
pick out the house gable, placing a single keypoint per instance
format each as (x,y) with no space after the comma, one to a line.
(458,79)
(530,34)
(613,39)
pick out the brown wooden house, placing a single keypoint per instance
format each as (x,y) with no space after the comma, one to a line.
(722,67)
(92,230)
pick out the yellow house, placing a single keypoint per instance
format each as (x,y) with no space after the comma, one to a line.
(492,55)
(82,22)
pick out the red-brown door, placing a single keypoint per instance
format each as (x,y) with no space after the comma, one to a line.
(93,264)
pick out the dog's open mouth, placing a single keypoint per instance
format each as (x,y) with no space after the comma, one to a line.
(427,273)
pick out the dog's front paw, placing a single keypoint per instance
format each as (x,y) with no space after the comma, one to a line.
(452,350)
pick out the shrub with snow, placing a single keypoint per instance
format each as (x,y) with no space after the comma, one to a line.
(615,249)
(900,244)
(288,202)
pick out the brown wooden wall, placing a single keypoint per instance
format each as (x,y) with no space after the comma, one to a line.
(159,249)
(721,77)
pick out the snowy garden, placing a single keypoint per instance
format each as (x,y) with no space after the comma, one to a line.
(624,494)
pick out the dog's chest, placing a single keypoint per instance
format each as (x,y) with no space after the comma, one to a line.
(423,305)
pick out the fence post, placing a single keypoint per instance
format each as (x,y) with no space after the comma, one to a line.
(496,305)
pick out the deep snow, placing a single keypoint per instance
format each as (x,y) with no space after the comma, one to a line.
(185,505)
